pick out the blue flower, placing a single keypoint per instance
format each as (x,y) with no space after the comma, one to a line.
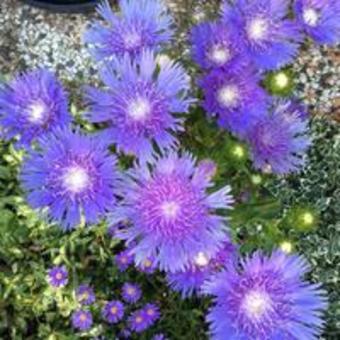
(131,292)
(141,24)
(58,276)
(113,311)
(266,298)
(71,174)
(31,105)
(82,320)
(85,295)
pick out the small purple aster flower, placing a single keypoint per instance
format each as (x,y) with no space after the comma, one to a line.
(172,216)
(141,24)
(58,276)
(320,19)
(131,292)
(278,142)
(112,230)
(33,104)
(113,311)
(140,102)
(266,299)
(215,46)
(138,321)
(159,336)
(85,295)
(152,313)
(82,320)
(147,265)
(271,39)
(71,173)
(234,97)
(124,259)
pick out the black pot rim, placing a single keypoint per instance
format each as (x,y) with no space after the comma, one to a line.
(74,8)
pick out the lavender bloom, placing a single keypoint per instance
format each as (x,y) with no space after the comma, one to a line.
(172,215)
(271,39)
(215,46)
(152,313)
(278,142)
(147,266)
(112,230)
(71,173)
(140,102)
(266,299)
(320,19)
(234,97)
(58,276)
(141,24)
(124,259)
(113,311)
(138,321)
(82,320)
(85,295)
(159,336)
(131,292)
(32,105)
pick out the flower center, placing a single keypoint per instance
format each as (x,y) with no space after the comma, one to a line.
(219,54)
(132,40)
(310,17)
(201,259)
(85,296)
(170,209)
(139,319)
(76,179)
(257,29)
(228,95)
(82,317)
(256,304)
(147,263)
(139,109)
(36,113)
(59,276)
(113,310)
(131,291)
(150,312)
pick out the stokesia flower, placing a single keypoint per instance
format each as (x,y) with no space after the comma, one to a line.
(235,98)
(271,39)
(172,216)
(131,292)
(320,19)
(85,295)
(123,260)
(141,24)
(266,299)
(71,174)
(33,104)
(214,45)
(113,311)
(138,321)
(279,141)
(58,276)
(140,103)
(82,320)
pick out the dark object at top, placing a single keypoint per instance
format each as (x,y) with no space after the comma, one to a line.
(70,6)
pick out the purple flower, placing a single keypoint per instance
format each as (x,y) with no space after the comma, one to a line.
(266,299)
(113,311)
(112,230)
(279,141)
(140,102)
(191,280)
(152,313)
(138,321)
(271,39)
(85,295)
(172,216)
(32,105)
(71,173)
(82,320)
(141,24)
(234,97)
(147,265)
(159,336)
(131,292)
(214,45)
(320,19)
(58,276)
(124,259)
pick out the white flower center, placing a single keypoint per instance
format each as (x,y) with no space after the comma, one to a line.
(257,29)
(281,80)
(139,109)
(201,259)
(36,113)
(219,54)
(310,16)
(256,304)
(170,209)
(132,39)
(228,95)
(76,179)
